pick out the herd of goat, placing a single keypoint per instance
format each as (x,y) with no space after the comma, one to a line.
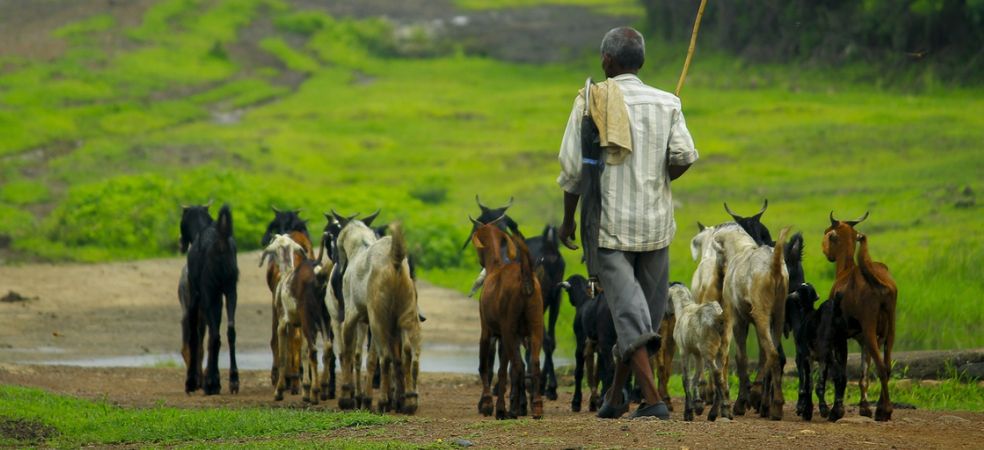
(358,294)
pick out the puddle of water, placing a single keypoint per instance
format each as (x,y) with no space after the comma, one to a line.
(434,358)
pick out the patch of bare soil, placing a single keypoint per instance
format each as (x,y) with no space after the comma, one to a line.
(25,430)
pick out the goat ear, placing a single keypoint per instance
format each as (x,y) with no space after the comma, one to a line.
(263,257)
(476,242)
(510,248)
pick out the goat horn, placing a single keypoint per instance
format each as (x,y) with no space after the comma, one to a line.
(368,220)
(764,206)
(475,222)
(700,226)
(184,206)
(833,221)
(209,204)
(480,205)
(343,220)
(730,212)
(855,222)
(274,208)
(508,204)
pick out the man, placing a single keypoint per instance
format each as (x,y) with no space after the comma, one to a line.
(636,214)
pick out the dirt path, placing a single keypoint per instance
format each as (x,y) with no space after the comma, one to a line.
(77,312)
(121,309)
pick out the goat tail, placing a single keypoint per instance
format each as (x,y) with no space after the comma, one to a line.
(525,262)
(780,278)
(398,248)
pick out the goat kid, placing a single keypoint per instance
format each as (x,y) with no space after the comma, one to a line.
(699,333)
(595,337)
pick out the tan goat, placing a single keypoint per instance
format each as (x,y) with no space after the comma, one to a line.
(755,288)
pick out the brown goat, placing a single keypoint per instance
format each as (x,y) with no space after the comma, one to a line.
(511,311)
(869,296)
(300,311)
(272,278)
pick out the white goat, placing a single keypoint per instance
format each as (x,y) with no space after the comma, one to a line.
(379,294)
(755,288)
(699,333)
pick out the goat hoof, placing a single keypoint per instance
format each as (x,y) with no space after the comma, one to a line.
(485,405)
(824,410)
(537,412)
(346,403)
(594,403)
(409,406)
(836,413)
(699,408)
(883,414)
(739,408)
(191,385)
(278,395)
(864,410)
(500,414)
(551,394)
(688,415)
(212,389)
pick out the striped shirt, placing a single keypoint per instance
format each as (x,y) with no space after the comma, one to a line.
(636,203)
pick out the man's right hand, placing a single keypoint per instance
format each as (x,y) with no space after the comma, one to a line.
(566,233)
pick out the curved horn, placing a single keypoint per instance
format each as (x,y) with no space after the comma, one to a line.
(343,220)
(852,223)
(508,204)
(480,205)
(184,206)
(274,208)
(368,220)
(730,212)
(765,205)
(209,204)
(833,221)
(700,226)
(475,222)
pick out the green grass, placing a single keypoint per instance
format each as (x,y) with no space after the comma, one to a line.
(80,422)
(128,136)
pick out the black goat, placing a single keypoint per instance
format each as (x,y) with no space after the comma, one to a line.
(594,331)
(194,219)
(284,222)
(549,267)
(212,274)
(821,336)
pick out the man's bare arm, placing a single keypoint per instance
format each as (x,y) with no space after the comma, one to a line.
(569,225)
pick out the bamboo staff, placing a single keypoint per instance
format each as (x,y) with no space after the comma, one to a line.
(693,45)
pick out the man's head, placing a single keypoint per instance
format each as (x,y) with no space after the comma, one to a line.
(623,50)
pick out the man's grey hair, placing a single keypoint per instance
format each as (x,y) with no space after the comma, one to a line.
(626,46)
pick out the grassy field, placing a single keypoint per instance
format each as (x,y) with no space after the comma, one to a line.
(255,103)
(61,421)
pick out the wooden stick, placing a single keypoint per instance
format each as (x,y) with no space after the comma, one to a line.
(693,45)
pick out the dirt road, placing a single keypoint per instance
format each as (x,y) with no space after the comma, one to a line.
(88,312)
